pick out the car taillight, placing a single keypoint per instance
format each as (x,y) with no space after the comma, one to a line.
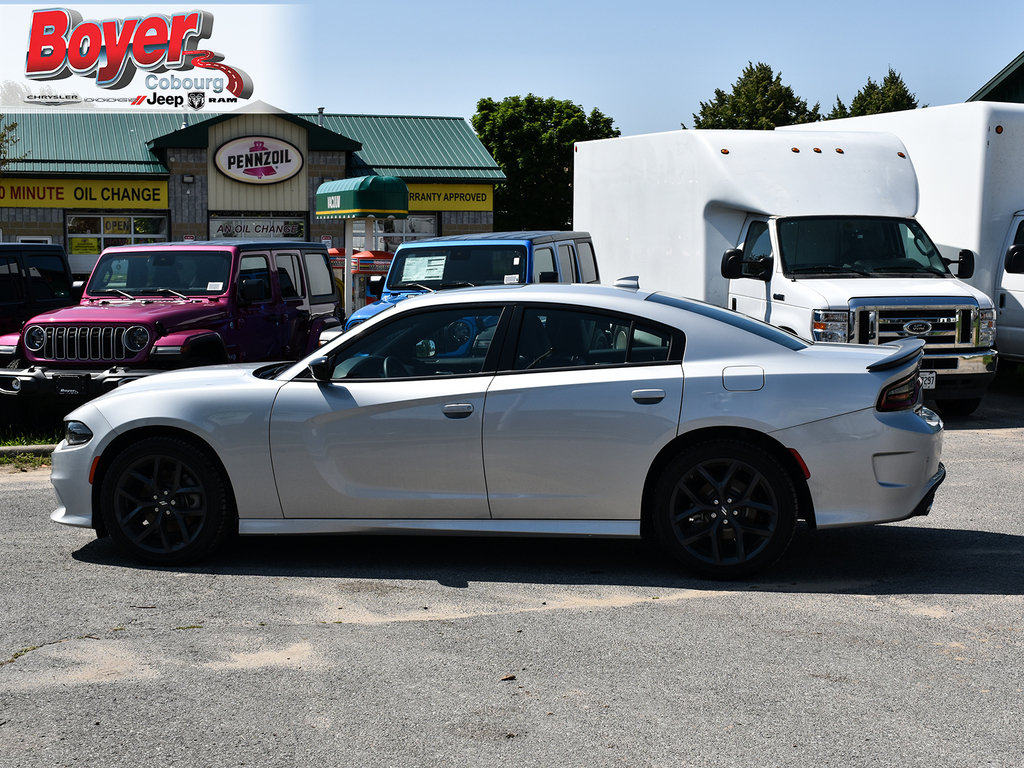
(901,395)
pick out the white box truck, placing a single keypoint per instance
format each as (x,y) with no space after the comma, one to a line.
(812,232)
(969,159)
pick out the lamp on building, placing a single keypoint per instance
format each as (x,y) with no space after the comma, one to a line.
(188,179)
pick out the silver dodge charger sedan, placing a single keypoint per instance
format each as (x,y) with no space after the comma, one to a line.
(544,410)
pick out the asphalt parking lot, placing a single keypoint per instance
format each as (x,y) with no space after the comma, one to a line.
(889,645)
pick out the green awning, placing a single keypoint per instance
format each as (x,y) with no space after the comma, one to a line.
(362,197)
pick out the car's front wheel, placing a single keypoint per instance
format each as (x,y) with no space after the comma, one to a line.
(725,508)
(166,501)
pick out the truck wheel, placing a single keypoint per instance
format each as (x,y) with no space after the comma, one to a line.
(958,409)
(166,501)
(725,509)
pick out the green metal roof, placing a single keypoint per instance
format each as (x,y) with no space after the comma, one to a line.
(362,197)
(1008,85)
(413,148)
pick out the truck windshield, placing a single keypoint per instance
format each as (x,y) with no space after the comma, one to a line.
(161,273)
(457,266)
(824,246)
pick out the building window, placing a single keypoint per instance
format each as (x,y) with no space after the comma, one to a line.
(89,234)
(388,234)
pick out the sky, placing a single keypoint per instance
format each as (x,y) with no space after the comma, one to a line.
(647,64)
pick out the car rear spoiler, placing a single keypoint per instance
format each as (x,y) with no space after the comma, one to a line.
(904,351)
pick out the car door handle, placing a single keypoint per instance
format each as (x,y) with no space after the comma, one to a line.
(648,396)
(457,410)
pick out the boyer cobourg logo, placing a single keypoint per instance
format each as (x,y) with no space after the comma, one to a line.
(112,52)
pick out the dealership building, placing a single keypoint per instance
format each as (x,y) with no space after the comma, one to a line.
(89,180)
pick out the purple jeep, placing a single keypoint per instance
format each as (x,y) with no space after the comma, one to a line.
(148,308)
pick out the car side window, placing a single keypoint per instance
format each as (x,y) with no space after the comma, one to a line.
(254,271)
(588,264)
(560,338)
(757,246)
(10,280)
(567,264)
(289,275)
(448,342)
(46,276)
(321,281)
(544,268)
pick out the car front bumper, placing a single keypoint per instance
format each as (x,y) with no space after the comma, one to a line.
(41,381)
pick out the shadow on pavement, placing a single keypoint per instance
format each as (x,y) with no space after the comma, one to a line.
(874,560)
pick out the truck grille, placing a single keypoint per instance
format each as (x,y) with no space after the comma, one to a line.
(942,326)
(88,344)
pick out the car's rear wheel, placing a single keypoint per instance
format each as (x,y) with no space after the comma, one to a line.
(725,508)
(166,501)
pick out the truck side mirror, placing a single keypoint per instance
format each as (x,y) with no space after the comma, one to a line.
(1015,259)
(732,264)
(965,266)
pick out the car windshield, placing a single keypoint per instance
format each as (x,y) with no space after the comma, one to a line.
(826,246)
(161,273)
(457,266)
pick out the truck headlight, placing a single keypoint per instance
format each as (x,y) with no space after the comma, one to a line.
(35,338)
(136,338)
(830,325)
(987,328)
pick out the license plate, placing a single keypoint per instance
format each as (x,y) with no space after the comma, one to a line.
(70,385)
(928,379)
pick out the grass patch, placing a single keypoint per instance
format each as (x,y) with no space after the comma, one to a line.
(25,461)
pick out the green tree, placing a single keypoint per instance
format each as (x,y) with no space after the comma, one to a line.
(758,101)
(891,96)
(532,139)
(8,139)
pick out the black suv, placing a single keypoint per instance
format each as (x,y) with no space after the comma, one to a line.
(34,278)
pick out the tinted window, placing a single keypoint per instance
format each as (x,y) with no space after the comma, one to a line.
(255,269)
(445,342)
(757,247)
(454,266)
(46,276)
(10,280)
(544,262)
(289,275)
(588,264)
(567,264)
(559,338)
(321,280)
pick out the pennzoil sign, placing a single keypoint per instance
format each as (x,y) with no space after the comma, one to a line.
(258,160)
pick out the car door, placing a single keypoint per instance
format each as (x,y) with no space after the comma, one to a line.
(749,295)
(261,332)
(572,426)
(295,305)
(395,432)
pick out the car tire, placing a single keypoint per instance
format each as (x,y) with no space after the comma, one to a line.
(166,501)
(725,508)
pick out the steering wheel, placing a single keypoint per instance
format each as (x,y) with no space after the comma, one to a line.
(394,368)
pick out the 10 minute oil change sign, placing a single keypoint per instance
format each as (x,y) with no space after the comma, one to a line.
(82,193)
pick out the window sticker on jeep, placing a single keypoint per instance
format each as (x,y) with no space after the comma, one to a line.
(429,268)
(511,279)
(215,286)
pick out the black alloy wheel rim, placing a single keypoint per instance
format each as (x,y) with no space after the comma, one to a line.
(724,512)
(160,504)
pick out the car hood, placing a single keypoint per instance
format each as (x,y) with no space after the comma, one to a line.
(837,292)
(208,378)
(170,312)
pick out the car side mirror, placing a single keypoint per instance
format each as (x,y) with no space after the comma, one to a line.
(1015,259)
(732,264)
(251,289)
(320,369)
(965,266)
(735,267)
(547,277)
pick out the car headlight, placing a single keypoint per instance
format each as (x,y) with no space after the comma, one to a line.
(35,338)
(136,338)
(76,433)
(830,325)
(987,328)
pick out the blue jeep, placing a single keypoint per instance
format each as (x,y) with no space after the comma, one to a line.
(491,258)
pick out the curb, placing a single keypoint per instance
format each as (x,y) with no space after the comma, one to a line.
(32,450)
